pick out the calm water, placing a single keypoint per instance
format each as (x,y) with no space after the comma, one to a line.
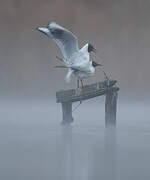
(34,145)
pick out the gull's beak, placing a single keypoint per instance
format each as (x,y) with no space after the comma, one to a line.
(44,30)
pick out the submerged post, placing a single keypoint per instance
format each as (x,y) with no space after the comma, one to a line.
(110,108)
(67,112)
(107,87)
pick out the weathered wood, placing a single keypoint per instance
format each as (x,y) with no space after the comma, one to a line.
(67,112)
(87,92)
(67,97)
(110,108)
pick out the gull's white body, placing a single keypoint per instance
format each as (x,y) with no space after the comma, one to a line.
(76,60)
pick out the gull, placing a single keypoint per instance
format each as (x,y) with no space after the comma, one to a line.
(77,61)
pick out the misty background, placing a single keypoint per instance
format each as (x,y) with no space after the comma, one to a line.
(119,29)
(33,143)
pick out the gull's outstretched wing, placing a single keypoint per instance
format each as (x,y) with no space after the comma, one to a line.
(65,39)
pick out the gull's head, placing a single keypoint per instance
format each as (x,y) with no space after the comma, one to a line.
(91,48)
(44,30)
(95,64)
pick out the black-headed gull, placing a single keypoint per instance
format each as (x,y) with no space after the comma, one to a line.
(76,60)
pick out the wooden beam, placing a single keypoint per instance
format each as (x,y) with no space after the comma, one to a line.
(87,92)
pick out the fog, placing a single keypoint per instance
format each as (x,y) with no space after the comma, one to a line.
(34,145)
(119,29)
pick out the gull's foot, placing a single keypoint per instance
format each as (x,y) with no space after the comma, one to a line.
(78,91)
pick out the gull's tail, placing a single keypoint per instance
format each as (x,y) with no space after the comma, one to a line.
(68,76)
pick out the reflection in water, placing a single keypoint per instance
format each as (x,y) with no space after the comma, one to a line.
(65,164)
(33,147)
(103,156)
(110,153)
(81,159)
(74,155)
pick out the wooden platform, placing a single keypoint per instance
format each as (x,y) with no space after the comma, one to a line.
(107,87)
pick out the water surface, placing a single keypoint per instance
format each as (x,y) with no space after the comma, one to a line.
(34,145)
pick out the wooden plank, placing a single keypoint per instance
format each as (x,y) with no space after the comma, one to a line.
(87,92)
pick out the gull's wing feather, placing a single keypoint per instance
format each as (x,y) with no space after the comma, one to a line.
(65,39)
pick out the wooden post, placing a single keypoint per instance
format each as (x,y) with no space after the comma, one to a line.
(67,112)
(110,108)
(107,87)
